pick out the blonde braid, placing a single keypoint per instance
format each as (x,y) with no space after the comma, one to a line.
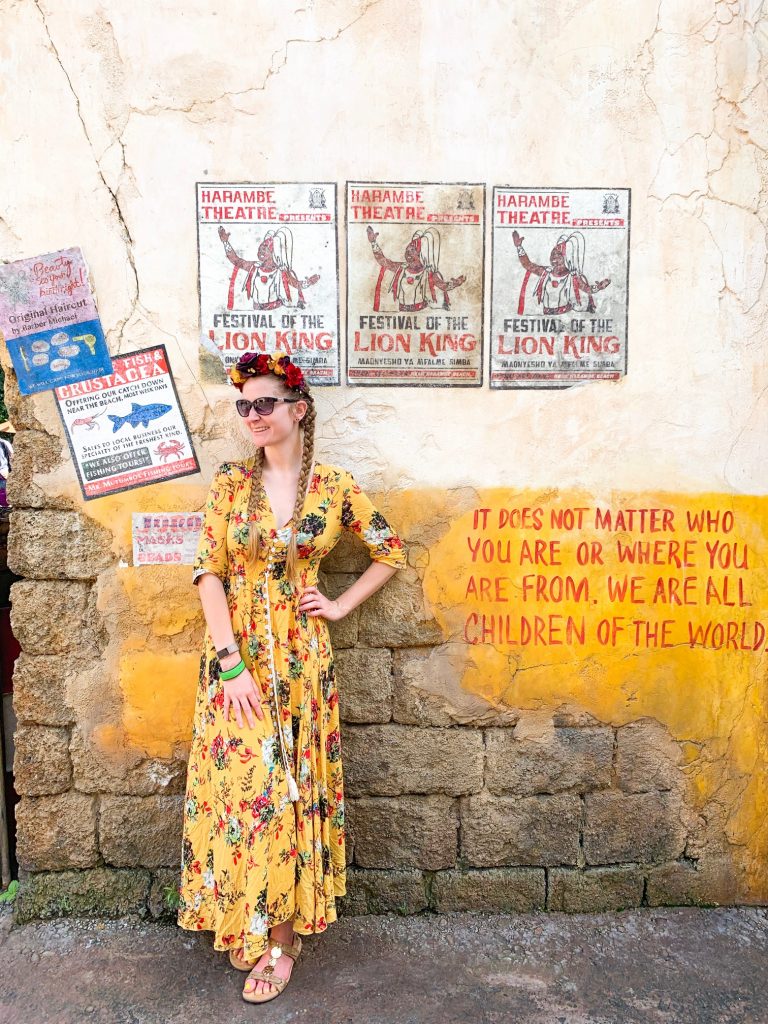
(308,426)
(254,532)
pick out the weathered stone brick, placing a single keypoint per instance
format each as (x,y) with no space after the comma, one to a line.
(415,704)
(595,889)
(41,764)
(28,412)
(349,555)
(565,759)
(344,632)
(405,831)
(98,892)
(574,716)
(387,760)
(704,883)
(505,890)
(141,831)
(39,692)
(644,827)
(124,772)
(428,692)
(56,832)
(41,630)
(48,545)
(395,615)
(647,757)
(536,830)
(34,452)
(364,677)
(384,892)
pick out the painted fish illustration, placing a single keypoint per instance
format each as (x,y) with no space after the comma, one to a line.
(139,416)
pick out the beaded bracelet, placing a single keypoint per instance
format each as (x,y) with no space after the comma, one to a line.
(230,673)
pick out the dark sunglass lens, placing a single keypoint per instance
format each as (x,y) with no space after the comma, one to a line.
(264,406)
(243,406)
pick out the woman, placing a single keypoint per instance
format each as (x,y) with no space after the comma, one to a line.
(562,286)
(263,849)
(270,277)
(416,280)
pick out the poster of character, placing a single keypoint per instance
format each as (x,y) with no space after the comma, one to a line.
(165,538)
(560,286)
(126,429)
(269,276)
(415,255)
(49,321)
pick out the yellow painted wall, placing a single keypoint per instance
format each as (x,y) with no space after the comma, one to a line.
(687,647)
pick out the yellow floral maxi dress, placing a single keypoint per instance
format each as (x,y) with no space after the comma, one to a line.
(251,857)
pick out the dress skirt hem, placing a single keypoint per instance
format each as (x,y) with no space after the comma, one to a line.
(191,923)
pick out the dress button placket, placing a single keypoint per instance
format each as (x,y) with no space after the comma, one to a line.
(292,787)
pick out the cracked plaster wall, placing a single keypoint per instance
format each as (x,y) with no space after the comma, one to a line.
(112,113)
(116,113)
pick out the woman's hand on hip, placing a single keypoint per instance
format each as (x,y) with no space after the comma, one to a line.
(313,603)
(242,696)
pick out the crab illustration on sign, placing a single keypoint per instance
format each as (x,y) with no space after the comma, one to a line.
(169,450)
(270,277)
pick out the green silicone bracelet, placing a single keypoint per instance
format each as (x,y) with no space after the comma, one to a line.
(232,672)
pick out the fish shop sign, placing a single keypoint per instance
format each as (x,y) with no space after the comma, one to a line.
(126,429)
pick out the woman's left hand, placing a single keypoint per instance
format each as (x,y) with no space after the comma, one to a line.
(313,603)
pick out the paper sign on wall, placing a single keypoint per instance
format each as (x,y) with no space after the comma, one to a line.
(165,538)
(415,284)
(127,429)
(269,275)
(50,323)
(559,295)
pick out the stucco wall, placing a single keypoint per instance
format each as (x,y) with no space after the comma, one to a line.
(578,776)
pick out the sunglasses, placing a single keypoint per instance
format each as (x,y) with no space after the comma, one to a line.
(263,406)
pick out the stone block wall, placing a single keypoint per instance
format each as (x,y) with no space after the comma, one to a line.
(451,806)
(555,812)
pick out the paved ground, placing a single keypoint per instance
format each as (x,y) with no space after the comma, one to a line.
(679,966)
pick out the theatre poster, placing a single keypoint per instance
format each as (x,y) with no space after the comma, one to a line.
(268,275)
(415,257)
(560,286)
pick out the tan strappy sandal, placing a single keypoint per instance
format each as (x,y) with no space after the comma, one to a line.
(237,963)
(276,950)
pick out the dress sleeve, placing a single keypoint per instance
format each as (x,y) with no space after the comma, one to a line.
(211,553)
(360,516)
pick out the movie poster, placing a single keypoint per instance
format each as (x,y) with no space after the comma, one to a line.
(415,255)
(560,288)
(127,429)
(49,321)
(269,276)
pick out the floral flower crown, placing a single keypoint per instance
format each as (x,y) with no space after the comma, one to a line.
(256,364)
